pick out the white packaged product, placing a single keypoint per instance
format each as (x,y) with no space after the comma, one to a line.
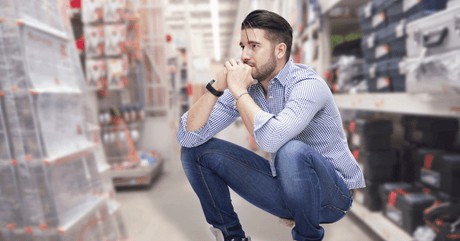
(94,41)
(117,72)
(114,11)
(93,11)
(115,39)
(96,73)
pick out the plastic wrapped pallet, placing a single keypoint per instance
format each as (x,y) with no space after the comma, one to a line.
(46,114)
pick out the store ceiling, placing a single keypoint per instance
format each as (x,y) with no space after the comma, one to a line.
(200,22)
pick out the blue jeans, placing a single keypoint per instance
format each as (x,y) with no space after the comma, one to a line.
(306,189)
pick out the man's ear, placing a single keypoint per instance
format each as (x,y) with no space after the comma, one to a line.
(280,50)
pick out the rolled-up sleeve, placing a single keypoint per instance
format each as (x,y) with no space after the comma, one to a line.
(222,115)
(271,131)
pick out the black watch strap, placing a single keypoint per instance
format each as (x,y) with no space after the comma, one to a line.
(212,90)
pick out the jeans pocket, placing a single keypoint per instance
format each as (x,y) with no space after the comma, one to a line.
(331,214)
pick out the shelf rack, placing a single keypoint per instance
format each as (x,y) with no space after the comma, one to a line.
(438,104)
(382,226)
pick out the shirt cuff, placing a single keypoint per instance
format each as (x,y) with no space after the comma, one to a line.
(191,138)
(260,120)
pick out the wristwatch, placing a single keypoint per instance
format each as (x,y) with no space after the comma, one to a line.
(212,90)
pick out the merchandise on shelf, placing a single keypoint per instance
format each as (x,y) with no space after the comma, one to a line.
(379,166)
(115,39)
(383,24)
(369,196)
(443,219)
(419,157)
(114,11)
(349,75)
(96,73)
(442,173)
(438,72)
(117,71)
(93,11)
(95,43)
(433,132)
(405,205)
(371,135)
(433,34)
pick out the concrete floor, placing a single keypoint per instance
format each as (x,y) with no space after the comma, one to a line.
(170,211)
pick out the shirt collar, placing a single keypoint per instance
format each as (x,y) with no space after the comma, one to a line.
(283,74)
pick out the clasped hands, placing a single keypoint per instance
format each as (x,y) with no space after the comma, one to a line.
(236,76)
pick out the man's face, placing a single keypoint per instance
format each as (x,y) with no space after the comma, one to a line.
(258,53)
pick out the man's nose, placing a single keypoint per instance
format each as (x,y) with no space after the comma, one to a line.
(245,56)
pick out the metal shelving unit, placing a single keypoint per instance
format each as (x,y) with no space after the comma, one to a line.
(437,104)
(381,225)
(442,104)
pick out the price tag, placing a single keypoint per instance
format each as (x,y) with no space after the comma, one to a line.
(368,10)
(383,82)
(356,139)
(382,50)
(430,177)
(400,29)
(378,19)
(371,40)
(372,70)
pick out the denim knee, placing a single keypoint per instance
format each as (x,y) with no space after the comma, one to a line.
(295,151)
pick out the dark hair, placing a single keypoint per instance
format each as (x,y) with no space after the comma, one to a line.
(279,30)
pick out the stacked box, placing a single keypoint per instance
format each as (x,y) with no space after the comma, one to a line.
(404,204)
(433,132)
(383,24)
(370,141)
(371,135)
(442,173)
(369,196)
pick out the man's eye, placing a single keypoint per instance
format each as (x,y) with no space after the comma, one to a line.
(255,45)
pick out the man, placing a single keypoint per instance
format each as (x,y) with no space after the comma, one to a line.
(291,113)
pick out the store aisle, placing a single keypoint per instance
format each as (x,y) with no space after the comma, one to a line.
(170,211)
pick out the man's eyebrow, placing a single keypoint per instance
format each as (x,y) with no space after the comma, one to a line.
(250,42)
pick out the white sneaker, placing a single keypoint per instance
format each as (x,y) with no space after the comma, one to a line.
(217,233)
(220,236)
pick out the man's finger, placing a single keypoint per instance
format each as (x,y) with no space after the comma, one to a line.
(233,62)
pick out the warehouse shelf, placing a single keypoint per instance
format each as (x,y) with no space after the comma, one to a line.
(87,148)
(45,28)
(142,175)
(379,224)
(437,104)
(79,214)
(327,5)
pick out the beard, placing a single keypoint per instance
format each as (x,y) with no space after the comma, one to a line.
(263,72)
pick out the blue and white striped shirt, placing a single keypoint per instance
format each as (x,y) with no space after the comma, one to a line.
(299,106)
